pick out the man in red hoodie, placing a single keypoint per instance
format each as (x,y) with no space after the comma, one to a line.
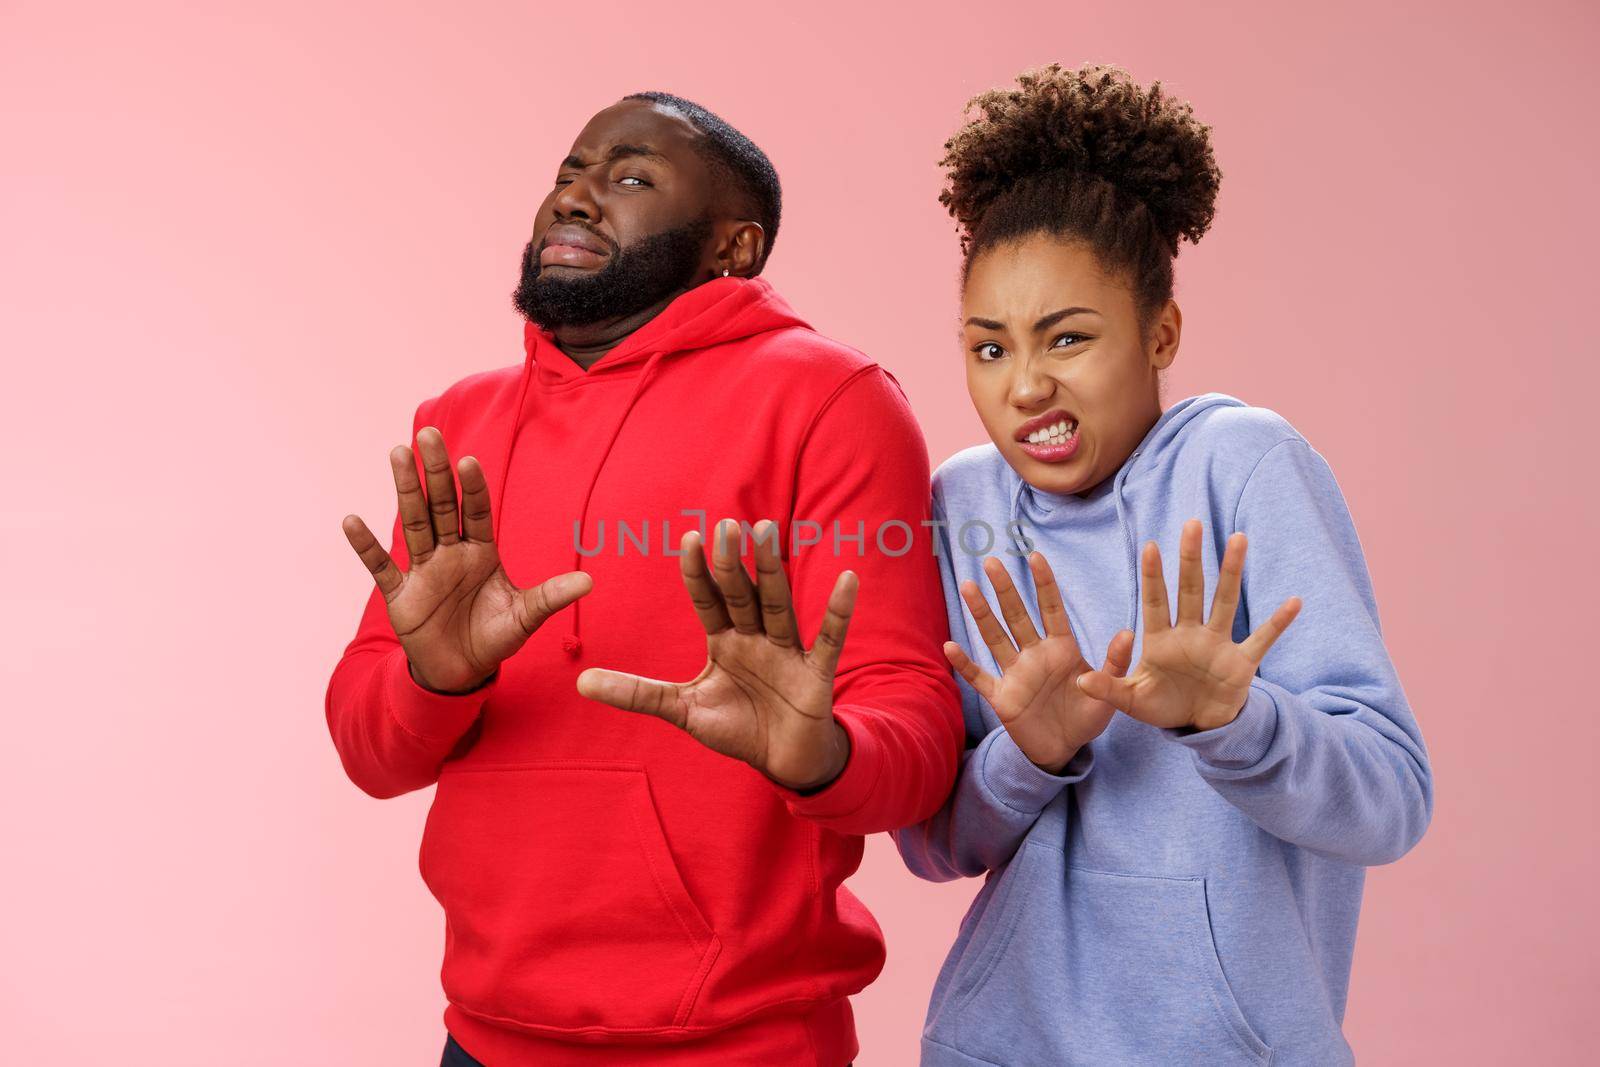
(618,888)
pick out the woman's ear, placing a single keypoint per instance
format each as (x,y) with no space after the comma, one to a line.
(1162,342)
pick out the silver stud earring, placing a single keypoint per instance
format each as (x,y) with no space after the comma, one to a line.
(724,272)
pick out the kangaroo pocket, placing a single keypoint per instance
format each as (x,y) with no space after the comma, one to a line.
(564,908)
(1089,967)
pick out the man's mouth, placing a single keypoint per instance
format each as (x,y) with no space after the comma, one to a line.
(1052,437)
(572,246)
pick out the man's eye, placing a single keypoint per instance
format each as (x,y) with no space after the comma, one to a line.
(625,179)
(988,351)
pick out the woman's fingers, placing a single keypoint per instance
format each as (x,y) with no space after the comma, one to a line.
(1098,685)
(441,486)
(1191,574)
(1225,603)
(703,592)
(1153,590)
(974,675)
(1119,654)
(373,554)
(772,587)
(1011,605)
(414,521)
(825,652)
(1256,645)
(738,592)
(1052,606)
(993,634)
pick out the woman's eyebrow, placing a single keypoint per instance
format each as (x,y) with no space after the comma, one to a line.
(1056,316)
(987,324)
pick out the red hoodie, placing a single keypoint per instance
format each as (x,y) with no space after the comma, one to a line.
(614,891)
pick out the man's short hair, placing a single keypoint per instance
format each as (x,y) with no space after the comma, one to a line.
(747,170)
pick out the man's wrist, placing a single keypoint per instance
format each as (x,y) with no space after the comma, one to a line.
(841,750)
(422,683)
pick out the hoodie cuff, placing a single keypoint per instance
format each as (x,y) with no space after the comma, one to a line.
(1241,743)
(427,715)
(850,792)
(1007,774)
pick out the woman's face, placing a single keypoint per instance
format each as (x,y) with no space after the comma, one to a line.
(1057,367)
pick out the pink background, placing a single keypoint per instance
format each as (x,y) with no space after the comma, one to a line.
(238,248)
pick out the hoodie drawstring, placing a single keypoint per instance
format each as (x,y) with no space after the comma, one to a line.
(572,640)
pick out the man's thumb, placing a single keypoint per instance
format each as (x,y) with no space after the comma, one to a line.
(553,594)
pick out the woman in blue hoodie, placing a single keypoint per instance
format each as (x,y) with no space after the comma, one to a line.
(1173,844)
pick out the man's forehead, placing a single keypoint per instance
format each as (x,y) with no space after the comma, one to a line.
(637,123)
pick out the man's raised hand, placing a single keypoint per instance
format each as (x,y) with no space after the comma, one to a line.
(762,697)
(454,610)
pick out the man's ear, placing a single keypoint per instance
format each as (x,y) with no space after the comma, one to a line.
(739,246)
(1161,343)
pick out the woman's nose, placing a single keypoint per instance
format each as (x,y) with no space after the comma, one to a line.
(1029,386)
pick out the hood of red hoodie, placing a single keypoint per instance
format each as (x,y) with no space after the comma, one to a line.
(721,310)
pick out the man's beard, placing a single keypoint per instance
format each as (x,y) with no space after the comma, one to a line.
(633,279)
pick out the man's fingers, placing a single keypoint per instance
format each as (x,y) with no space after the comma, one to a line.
(1153,590)
(1256,645)
(1225,604)
(1119,654)
(974,675)
(373,554)
(1191,574)
(441,486)
(772,586)
(550,596)
(1011,606)
(414,520)
(476,522)
(630,692)
(738,592)
(703,592)
(1098,685)
(824,654)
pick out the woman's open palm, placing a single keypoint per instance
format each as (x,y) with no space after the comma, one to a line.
(1035,697)
(1191,673)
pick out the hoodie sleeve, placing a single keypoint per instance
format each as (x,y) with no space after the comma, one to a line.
(1325,753)
(862,494)
(999,792)
(391,734)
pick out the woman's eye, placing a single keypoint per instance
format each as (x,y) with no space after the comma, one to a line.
(988,351)
(1067,337)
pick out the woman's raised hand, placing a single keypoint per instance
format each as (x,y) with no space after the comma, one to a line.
(1191,673)
(1047,715)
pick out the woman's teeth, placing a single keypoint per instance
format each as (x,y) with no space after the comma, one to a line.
(1059,434)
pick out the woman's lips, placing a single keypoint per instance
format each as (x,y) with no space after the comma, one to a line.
(569,256)
(1050,438)
(1053,453)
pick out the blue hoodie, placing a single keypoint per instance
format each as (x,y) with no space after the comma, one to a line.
(1173,898)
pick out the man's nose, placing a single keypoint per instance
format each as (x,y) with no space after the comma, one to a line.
(576,201)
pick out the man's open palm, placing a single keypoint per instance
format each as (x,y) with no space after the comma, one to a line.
(456,613)
(762,697)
